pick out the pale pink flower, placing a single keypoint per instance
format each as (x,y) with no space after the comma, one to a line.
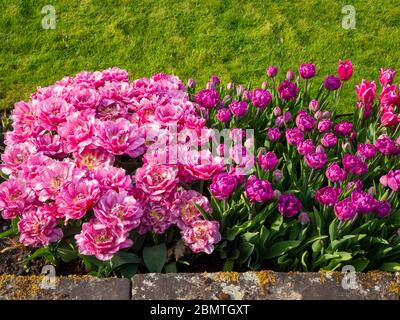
(32,167)
(85,98)
(157,180)
(92,157)
(118,208)
(49,144)
(202,236)
(157,217)
(52,112)
(15,198)
(38,228)
(185,207)
(110,177)
(120,137)
(77,132)
(77,197)
(15,155)
(173,112)
(51,178)
(24,115)
(202,165)
(101,241)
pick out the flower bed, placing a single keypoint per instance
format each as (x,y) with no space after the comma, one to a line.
(153,175)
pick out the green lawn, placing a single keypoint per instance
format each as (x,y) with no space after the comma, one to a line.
(192,38)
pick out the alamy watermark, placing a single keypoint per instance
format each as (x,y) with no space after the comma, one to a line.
(349,20)
(49,21)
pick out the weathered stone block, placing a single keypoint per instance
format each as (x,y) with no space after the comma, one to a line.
(264,285)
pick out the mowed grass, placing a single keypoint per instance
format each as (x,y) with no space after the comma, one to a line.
(192,38)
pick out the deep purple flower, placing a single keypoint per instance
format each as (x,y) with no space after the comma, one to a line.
(268,160)
(332,83)
(328,195)
(366,150)
(354,165)
(316,160)
(223,115)
(356,185)
(387,146)
(258,190)
(335,173)
(329,140)
(307,70)
(287,90)
(260,98)
(345,210)
(271,71)
(324,125)
(364,202)
(305,147)
(382,208)
(344,128)
(215,80)
(208,98)
(289,205)
(223,185)
(304,121)
(294,136)
(273,134)
(238,108)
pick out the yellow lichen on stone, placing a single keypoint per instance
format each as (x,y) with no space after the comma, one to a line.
(394,287)
(228,276)
(322,277)
(369,279)
(266,277)
(20,287)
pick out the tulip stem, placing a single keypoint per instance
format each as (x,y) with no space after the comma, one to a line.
(251,212)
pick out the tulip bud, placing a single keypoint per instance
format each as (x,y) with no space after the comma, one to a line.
(371,191)
(229,86)
(226,99)
(346,147)
(398,232)
(246,95)
(191,83)
(320,149)
(271,71)
(313,106)
(304,218)
(289,75)
(215,80)
(287,116)
(318,115)
(277,111)
(261,151)
(280,121)
(277,195)
(277,176)
(353,136)
(326,114)
(210,86)
(264,85)
(239,90)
